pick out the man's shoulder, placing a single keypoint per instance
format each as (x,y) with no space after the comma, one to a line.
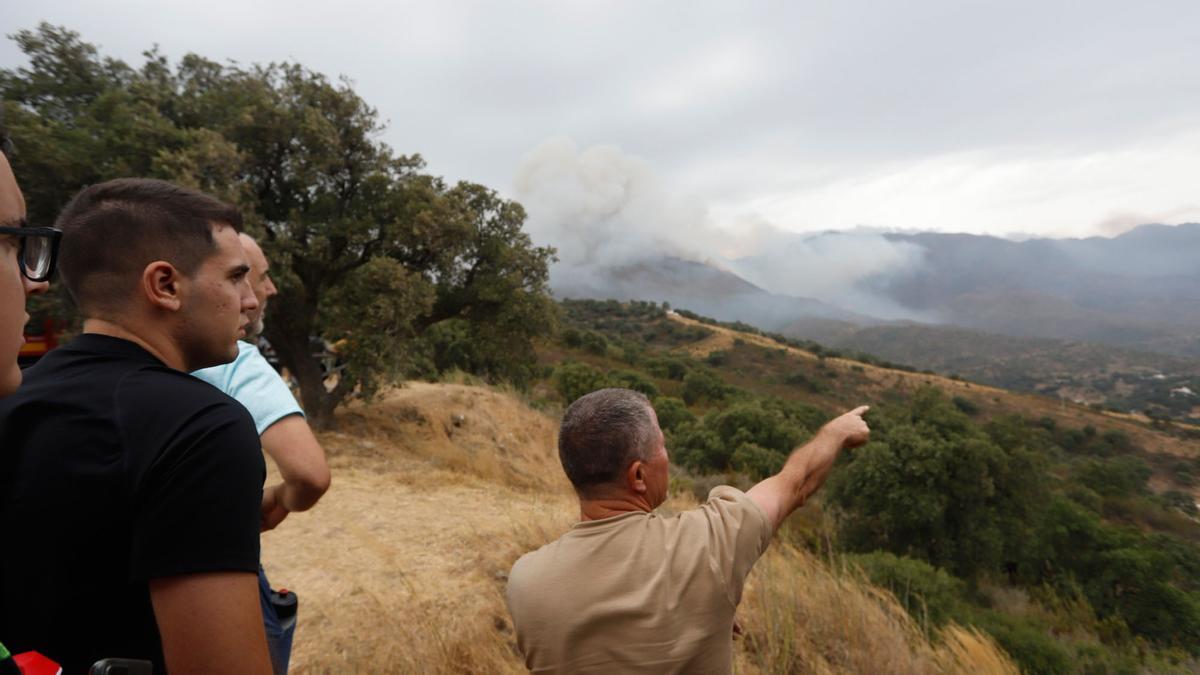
(729,508)
(158,395)
(728,493)
(529,563)
(150,381)
(555,557)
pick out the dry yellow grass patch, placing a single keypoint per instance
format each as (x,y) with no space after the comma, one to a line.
(802,617)
(400,568)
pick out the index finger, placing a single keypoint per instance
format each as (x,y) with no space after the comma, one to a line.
(860,410)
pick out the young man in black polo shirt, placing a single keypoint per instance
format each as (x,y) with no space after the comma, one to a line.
(130,492)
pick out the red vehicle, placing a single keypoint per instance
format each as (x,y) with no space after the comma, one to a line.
(39,339)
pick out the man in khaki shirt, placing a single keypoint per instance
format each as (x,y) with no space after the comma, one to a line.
(628,591)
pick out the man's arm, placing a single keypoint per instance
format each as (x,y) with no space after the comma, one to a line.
(301,461)
(211,623)
(808,466)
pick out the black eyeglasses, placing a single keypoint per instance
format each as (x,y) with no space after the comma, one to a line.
(38,251)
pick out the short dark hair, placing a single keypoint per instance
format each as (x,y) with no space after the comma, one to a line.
(601,433)
(112,230)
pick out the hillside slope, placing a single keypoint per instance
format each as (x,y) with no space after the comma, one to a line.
(438,488)
(1083,372)
(874,379)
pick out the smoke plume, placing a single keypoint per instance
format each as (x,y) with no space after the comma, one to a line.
(604,209)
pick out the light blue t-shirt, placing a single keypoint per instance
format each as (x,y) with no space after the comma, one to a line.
(254,383)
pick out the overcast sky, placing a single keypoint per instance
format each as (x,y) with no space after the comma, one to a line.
(1049,118)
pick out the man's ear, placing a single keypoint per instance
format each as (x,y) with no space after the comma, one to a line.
(161,285)
(635,476)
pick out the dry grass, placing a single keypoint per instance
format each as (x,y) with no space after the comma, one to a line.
(439,488)
(801,616)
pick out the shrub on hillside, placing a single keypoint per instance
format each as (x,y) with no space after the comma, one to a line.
(933,486)
(752,423)
(756,461)
(966,406)
(1116,477)
(696,447)
(672,413)
(594,343)
(572,337)
(573,379)
(667,367)
(925,591)
(703,385)
(805,382)
(717,358)
(628,379)
(1027,641)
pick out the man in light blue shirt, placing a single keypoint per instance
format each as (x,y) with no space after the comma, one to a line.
(285,436)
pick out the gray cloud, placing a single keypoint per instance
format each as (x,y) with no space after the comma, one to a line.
(812,115)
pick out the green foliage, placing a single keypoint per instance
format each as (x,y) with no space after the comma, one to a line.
(572,337)
(933,487)
(1028,641)
(594,343)
(752,423)
(717,358)
(1182,501)
(573,379)
(925,591)
(966,406)
(703,385)
(752,437)
(806,382)
(375,310)
(697,447)
(756,461)
(1132,583)
(672,413)
(667,368)
(1117,477)
(628,379)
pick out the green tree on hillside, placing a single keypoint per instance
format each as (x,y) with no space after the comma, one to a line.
(932,486)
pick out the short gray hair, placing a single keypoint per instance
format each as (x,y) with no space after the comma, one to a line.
(601,433)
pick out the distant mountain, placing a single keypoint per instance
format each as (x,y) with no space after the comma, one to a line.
(1140,290)
(1108,321)
(700,287)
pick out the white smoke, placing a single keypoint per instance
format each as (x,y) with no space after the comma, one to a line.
(602,208)
(828,266)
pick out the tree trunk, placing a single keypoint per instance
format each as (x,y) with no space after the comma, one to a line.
(288,328)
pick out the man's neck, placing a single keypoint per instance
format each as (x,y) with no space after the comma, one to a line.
(162,349)
(608,507)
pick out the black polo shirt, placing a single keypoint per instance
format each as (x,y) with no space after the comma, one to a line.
(116,469)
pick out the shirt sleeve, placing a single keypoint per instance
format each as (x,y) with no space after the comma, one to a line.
(252,381)
(739,532)
(197,492)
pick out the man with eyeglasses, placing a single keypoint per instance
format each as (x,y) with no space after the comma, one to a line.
(27,256)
